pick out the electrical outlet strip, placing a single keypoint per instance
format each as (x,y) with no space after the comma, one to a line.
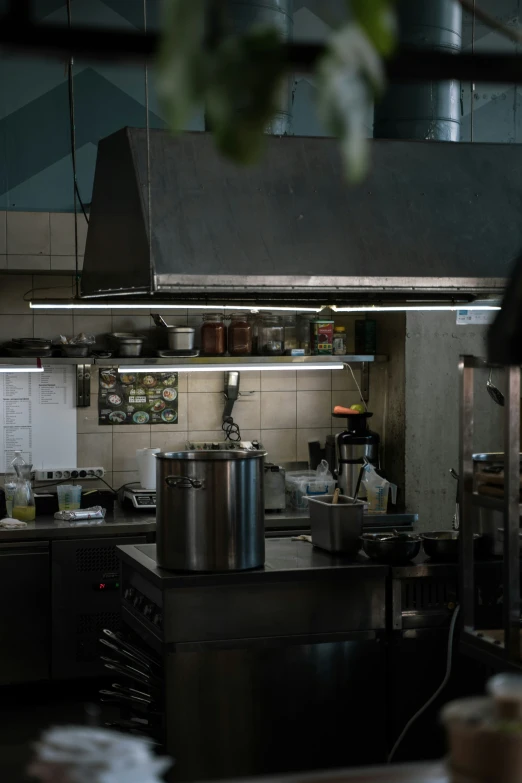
(58,474)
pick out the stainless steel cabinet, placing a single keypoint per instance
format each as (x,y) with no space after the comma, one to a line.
(25,612)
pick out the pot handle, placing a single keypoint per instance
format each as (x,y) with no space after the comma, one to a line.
(184,482)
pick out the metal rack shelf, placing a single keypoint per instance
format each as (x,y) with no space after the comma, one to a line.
(30,361)
(502,647)
(487,501)
(282,361)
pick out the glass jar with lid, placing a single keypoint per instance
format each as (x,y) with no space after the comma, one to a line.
(290,334)
(271,336)
(239,335)
(213,335)
(303,333)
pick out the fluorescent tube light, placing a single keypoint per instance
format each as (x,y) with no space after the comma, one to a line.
(230,367)
(153,307)
(403,308)
(19,368)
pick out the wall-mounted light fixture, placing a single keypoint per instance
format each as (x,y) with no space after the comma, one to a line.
(230,367)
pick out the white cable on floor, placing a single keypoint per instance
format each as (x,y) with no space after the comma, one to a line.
(437,692)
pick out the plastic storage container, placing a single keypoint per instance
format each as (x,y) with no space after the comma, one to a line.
(301,485)
(339,341)
(10,480)
(338,527)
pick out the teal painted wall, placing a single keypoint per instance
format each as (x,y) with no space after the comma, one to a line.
(35,162)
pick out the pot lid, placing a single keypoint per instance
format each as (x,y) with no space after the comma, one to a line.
(205,455)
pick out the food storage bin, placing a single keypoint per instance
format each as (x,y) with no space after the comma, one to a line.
(300,485)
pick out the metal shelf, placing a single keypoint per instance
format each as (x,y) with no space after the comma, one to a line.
(486,501)
(282,361)
(30,361)
(488,647)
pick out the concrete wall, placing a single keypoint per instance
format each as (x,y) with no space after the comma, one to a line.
(433,345)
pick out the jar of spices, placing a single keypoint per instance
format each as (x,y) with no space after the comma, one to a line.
(271,335)
(290,334)
(213,337)
(339,341)
(239,335)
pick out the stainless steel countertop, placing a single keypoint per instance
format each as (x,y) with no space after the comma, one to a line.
(126,522)
(121,523)
(285,559)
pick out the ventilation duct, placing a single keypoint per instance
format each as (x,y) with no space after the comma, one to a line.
(243,14)
(428,110)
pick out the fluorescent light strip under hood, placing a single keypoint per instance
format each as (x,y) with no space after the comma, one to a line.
(230,367)
(151,306)
(407,308)
(19,368)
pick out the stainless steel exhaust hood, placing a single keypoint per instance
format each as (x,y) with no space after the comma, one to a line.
(431,219)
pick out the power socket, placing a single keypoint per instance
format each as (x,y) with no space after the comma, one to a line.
(58,474)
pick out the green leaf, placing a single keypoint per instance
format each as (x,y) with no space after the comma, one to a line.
(377,19)
(348,74)
(181,63)
(243,93)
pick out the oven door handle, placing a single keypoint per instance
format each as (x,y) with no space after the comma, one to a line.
(184,482)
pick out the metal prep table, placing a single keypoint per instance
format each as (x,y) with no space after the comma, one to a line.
(276,669)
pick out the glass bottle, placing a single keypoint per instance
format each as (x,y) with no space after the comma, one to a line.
(271,335)
(339,341)
(23,499)
(213,335)
(303,333)
(10,480)
(290,334)
(239,335)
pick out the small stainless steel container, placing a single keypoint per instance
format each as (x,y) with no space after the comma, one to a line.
(181,338)
(338,527)
(210,513)
(127,343)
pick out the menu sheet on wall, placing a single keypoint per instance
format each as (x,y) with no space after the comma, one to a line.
(38,417)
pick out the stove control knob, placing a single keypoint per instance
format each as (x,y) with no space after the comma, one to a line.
(138,602)
(148,609)
(157,619)
(129,594)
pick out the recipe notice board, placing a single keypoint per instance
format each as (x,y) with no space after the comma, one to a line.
(38,417)
(140,398)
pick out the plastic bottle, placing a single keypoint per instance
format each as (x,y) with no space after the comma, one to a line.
(10,479)
(377,489)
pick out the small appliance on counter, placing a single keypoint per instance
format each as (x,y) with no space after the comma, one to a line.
(143,496)
(274,483)
(353,445)
(136,497)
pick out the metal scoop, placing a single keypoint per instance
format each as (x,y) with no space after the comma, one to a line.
(495,394)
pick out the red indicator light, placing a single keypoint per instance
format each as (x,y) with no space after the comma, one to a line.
(102,586)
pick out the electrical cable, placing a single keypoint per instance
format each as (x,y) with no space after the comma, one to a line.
(437,692)
(358,387)
(231,430)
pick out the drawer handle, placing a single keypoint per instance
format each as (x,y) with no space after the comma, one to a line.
(183,482)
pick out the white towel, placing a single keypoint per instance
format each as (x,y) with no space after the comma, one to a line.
(12,524)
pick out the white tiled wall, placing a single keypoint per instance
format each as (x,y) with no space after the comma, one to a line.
(284,411)
(40,241)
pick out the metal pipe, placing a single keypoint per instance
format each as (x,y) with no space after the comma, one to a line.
(243,14)
(430,110)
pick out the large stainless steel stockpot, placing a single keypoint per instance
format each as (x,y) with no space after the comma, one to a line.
(210,510)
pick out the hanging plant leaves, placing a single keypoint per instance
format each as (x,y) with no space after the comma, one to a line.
(242,96)
(377,19)
(182,67)
(349,75)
